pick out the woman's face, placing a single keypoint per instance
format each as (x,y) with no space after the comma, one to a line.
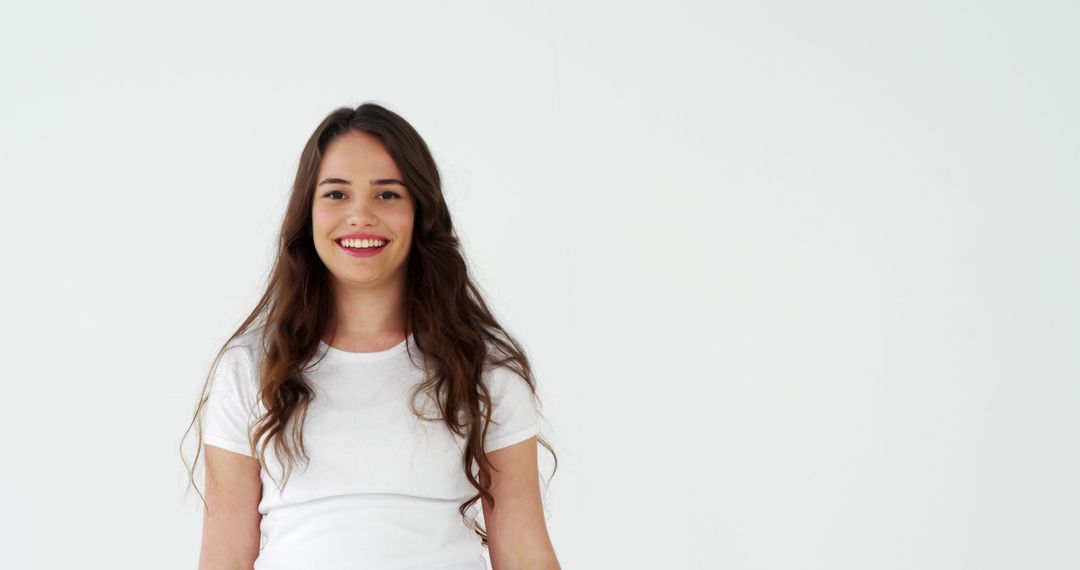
(359,190)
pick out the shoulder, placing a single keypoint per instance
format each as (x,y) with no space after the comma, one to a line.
(503,368)
(508,388)
(237,366)
(246,346)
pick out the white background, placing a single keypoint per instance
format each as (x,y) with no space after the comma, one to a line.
(798,279)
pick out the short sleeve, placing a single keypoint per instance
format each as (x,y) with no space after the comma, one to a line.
(513,417)
(229,409)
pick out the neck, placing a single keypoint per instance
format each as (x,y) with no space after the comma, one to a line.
(369,313)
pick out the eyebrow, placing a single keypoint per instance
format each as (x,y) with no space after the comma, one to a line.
(373,181)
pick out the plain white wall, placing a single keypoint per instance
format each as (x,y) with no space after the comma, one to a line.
(798,279)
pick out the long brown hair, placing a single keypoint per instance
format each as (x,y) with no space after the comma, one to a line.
(450,322)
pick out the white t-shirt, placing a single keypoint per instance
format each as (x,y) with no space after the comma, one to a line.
(383,487)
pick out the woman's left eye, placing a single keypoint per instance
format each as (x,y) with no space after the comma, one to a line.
(390,193)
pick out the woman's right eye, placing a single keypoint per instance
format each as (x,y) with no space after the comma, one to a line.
(327,195)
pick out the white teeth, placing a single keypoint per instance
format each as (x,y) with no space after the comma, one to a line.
(362,243)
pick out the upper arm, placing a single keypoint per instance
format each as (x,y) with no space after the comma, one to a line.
(517,532)
(231,535)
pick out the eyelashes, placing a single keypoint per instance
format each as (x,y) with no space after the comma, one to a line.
(394,194)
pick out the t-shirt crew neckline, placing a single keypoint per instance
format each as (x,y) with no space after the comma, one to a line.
(366,356)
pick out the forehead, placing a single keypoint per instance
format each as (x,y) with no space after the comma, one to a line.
(357,152)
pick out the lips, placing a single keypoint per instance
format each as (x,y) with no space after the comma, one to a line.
(362,252)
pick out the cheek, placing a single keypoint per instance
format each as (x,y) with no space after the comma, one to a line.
(406,232)
(320,220)
(401,222)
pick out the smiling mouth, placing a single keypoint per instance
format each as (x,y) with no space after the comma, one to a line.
(362,244)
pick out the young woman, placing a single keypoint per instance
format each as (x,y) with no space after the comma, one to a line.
(388,394)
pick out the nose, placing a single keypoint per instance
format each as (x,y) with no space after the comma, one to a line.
(361,215)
